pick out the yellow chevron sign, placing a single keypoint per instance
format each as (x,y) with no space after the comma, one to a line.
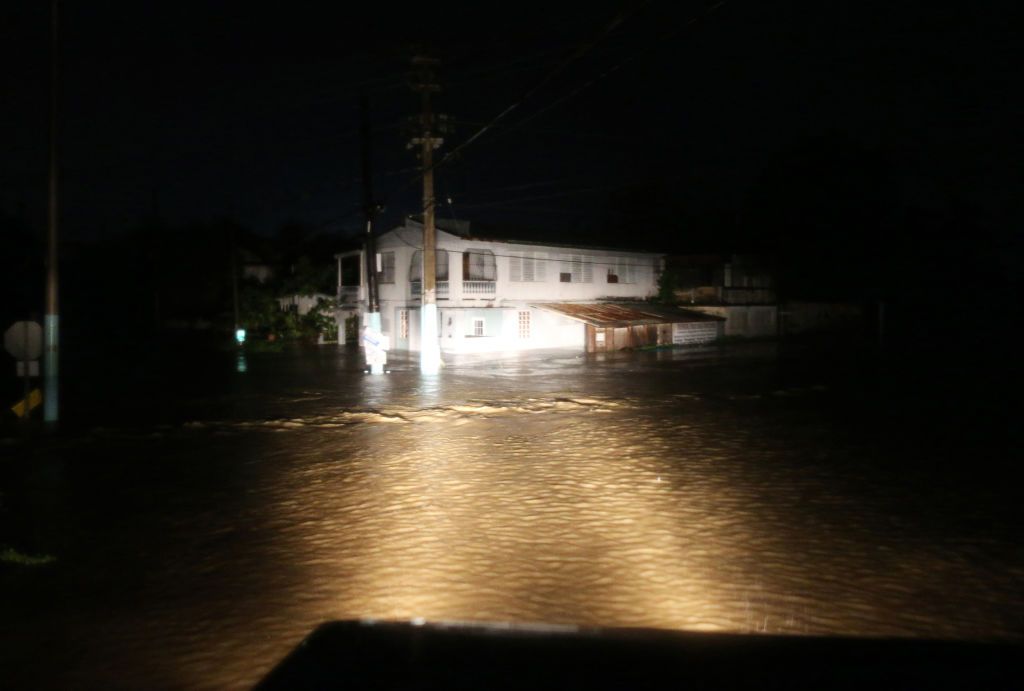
(34,400)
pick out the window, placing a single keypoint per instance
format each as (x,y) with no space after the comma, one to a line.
(403,323)
(478,265)
(386,267)
(416,267)
(440,265)
(576,269)
(531,267)
(524,325)
(621,270)
(350,270)
(478,327)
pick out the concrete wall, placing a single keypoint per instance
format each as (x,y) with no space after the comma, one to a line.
(744,321)
(694,333)
(501,330)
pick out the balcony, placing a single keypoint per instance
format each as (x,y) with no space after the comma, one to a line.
(478,288)
(350,295)
(416,288)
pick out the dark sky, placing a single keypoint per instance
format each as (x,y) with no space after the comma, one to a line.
(251,110)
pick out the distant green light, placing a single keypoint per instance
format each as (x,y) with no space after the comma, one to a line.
(240,336)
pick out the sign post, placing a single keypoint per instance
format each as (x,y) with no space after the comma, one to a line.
(376,345)
(24,340)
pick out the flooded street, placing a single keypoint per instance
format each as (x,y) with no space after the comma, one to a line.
(724,489)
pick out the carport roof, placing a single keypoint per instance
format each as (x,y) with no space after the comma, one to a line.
(617,314)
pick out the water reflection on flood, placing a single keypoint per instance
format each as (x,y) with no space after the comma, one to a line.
(589,511)
(632,496)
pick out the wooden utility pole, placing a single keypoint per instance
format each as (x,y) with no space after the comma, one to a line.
(424,83)
(370,208)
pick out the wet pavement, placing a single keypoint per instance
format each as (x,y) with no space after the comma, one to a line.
(733,489)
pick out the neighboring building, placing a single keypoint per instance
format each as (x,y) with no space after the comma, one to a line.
(499,295)
(738,288)
(741,289)
(712,279)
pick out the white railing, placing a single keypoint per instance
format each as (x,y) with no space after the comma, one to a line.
(478,287)
(350,295)
(416,287)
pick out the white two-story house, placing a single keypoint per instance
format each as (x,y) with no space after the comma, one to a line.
(498,295)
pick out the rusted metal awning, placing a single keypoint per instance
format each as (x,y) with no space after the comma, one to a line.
(618,315)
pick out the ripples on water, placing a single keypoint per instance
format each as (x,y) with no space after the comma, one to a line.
(665,506)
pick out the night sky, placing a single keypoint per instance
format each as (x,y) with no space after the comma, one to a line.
(716,134)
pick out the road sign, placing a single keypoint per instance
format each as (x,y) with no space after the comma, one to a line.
(371,338)
(24,340)
(33,400)
(376,345)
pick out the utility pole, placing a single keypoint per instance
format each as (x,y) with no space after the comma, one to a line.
(425,84)
(234,280)
(51,330)
(370,208)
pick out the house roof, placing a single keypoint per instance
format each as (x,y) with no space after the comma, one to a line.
(608,314)
(461,229)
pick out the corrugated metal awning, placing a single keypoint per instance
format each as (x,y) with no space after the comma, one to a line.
(615,315)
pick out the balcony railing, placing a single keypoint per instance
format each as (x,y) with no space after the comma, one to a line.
(350,295)
(416,288)
(478,287)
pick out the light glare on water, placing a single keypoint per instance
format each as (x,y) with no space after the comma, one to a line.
(586,496)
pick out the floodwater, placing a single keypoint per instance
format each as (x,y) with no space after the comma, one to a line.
(723,489)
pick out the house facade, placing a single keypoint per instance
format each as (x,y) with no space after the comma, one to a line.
(492,293)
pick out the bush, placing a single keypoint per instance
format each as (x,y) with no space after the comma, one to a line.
(667,282)
(321,319)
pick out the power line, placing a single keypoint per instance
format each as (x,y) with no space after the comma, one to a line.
(579,52)
(560,133)
(616,67)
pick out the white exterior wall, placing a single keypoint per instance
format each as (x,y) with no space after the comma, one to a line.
(501,309)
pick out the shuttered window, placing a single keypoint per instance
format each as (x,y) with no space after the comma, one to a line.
(441,265)
(528,267)
(576,268)
(478,265)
